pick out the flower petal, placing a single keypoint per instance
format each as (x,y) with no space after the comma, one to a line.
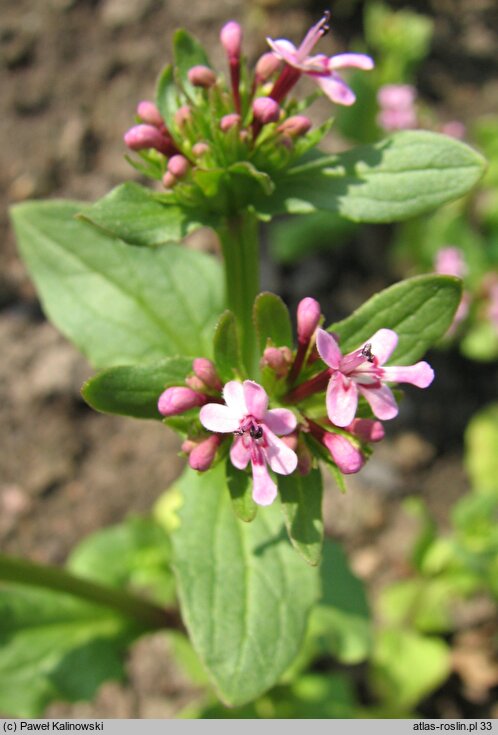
(356,61)
(335,88)
(328,349)
(381,400)
(215,417)
(285,50)
(233,393)
(347,457)
(264,490)
(256,399)
(421,374)
(240,454)
(280,421)
(281,458)
(383,343)
(341,399)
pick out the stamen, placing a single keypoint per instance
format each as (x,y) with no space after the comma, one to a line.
(367,352)
(325,28)
(256,432)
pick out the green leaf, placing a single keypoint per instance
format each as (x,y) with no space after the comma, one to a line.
(188,52)
(133,390)
(272,320)
(404,175)
(134,214)
(119,304)
(167,96)
(407,666)
(240,489)
(55,647)
(245,594)
(302,506)
(227,355)
(419,310)
(299,237)
(244,168)
(134,555)
(481,456)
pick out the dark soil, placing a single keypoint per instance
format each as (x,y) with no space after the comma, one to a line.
(71,72)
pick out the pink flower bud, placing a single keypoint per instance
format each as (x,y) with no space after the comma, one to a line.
(266,66)
(295,126)
(347,457)
(205,370)
(265,110)
(201,76)
(308,318)
(183,115)
(148,112)
(178,166)
(199,149)
(229,121)
(169,180)
(279,359)
(450,262)
(396,96)
(188,445)
(140,137)
(367,430)
(201,457)
(455,129)
(195,383)
(179,399)
(231,39)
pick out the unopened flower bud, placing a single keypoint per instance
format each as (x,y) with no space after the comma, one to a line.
(308,318)
(148,112)
(183,115)
(229,121)
(201,76)
(205,370)
(396,96)
(266,66)
(169,180)
(347,457)
(195,383)
(199,149)
(231,39)
(188,445)
(201,456)
(295,126)
(179,399)
(265,110)
(178,166)
(367,430)
(455,129)
(141,137)
(279,359)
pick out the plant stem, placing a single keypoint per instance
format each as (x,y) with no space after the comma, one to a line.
(240,245)
(146,614)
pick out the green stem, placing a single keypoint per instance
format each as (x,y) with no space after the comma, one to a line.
(146,614)
(240,245)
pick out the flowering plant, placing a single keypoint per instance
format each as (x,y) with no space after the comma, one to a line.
(259,414)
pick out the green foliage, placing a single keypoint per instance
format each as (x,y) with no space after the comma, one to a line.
(419,310)
(119,304)
(132,555)
(401,176)
(188,52)
(133,390)
(481,457)
(226,345)
(272,321)
(240,489)
(56,646)
(237,585)
(140,217)
(299,237)
(406,666)
(301,498)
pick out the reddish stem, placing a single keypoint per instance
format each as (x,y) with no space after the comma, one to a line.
(313,385)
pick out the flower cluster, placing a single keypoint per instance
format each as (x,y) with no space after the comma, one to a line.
(316,415)
(212,126)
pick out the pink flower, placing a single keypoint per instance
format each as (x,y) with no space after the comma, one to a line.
(361,373)
(321,68)
(449,261)
(397,107)
(246,415)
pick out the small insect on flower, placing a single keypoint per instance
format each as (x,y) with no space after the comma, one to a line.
(367,352)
